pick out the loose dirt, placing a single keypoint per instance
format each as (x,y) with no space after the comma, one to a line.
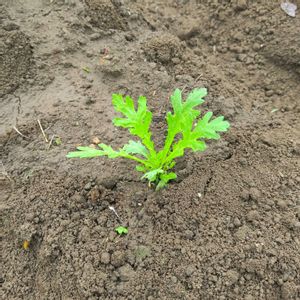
(227,228)
(15,61)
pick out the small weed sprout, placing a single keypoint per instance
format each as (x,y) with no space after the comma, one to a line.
(121,230)
(183,123)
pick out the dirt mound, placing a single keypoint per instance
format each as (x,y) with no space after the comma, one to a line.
(105,15)
(284,46)
(16,59)
(163,48)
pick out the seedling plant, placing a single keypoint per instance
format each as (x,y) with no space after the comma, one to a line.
(186,130)
(121,230)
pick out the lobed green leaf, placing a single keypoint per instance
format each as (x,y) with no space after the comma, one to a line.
(209,129)
(164,179)
(137,121)
(183,127)
(136,148)
(85,152)
(153,175)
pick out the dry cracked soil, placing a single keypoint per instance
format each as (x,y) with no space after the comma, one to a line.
(227,228)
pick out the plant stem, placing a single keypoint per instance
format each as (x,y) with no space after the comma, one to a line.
(168,144)
(141,161)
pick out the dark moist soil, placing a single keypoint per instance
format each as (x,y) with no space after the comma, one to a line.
(228,228)
(15,59)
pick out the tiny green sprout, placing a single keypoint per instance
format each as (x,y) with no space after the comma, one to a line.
(86,69)
(121,230)
(186,130)
(57,141)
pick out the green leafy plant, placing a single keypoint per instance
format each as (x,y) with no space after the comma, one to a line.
(185,131)
(121,230)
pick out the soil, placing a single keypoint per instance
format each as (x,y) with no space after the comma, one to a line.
(227,228)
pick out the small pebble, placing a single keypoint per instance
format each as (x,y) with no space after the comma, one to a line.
(296,225)
(126,272)
(95,194)
(254,194)
(95,36)
(252,215)
(232,277)
(10,26)
(256,46)
(105,258)
(237,222)
(245,196)
(118,258)
(189,234)
(96,140)
(88,186)
(109,183)
(189,271)
(269,93)
(241,4)
(281,203)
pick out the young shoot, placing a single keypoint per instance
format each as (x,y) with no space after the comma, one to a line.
(186,130)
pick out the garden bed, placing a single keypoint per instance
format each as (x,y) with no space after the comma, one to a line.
(226,228)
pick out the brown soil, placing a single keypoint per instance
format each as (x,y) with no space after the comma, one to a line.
(228,228)
(105,15)
(15,60)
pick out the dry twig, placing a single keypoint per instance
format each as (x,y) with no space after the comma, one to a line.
(43,132)
(20,133)
(51,140)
